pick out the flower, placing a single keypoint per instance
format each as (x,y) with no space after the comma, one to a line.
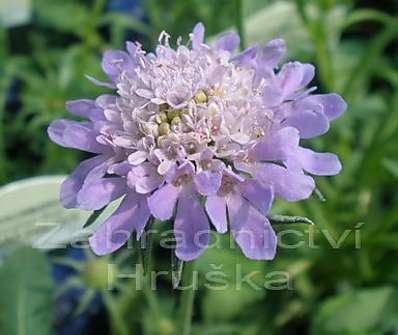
(198,131)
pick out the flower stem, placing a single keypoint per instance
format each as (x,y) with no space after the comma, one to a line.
(240,23)
(187,298)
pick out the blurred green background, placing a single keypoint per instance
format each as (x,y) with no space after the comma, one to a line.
(335,286)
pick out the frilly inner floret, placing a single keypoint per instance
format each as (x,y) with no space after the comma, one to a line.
(180,102)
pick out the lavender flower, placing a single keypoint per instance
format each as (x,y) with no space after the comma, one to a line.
(201,132)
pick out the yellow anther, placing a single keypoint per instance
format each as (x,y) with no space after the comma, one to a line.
(200,97)
(172,114)
(161,117)
(164,128)
(176,121)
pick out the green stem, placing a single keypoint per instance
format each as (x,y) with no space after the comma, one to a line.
(240,27)
(117,322)
(318,32)
(145,259)
(187,298)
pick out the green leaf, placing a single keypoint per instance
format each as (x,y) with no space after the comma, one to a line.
(286,219)
(357,312)
(228,303)
(93,217)
(391,165)
(26,293)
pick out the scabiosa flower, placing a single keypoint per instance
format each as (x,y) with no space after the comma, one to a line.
(198,134)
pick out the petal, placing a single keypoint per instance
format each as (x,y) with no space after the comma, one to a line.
(97,194)
(114,62)
(250,229)
(76,135)
(333,105)
(290,185)
(144,178)
(185,169)
(137,157)
(85,108)
(228,41)
(308,122)
(91,168)
(277,145)
(271,96)
(308,74)
(191,228)
(290,77)
(246,57)
(100,83)
(320,164)
(198,35)
(259,196)
(162,202)
(216,208)
(131,215)
(121,169)
(208,182)
(272,53)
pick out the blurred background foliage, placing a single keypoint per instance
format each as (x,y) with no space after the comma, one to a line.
(345,290)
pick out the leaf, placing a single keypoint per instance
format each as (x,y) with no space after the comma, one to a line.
(93,217)
(26,293)
(68,16)
(285,219)
(355,312)
(391,165)
(30,212)
(229,302)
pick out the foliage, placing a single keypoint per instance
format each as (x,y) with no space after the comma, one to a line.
(26,294)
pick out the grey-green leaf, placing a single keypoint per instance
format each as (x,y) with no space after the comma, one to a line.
(286,219)
(26,294)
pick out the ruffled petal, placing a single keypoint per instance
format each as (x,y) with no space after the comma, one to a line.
(271,54)
(208,182)
(114,62)
(290,77)
(216,208)
(85,108)
(246,57)
(308,74)
(131,215)
(162,202)
(228,41)
(97,194)
(333,105)
(320,164)
(271,96)
(198,35)
(289,185)
(191,227)
(76,135)
(144,178)
(277,145)
(250,229)
(259,196)
(309,123)
(89,169)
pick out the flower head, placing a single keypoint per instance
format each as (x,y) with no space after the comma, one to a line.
(194,123)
